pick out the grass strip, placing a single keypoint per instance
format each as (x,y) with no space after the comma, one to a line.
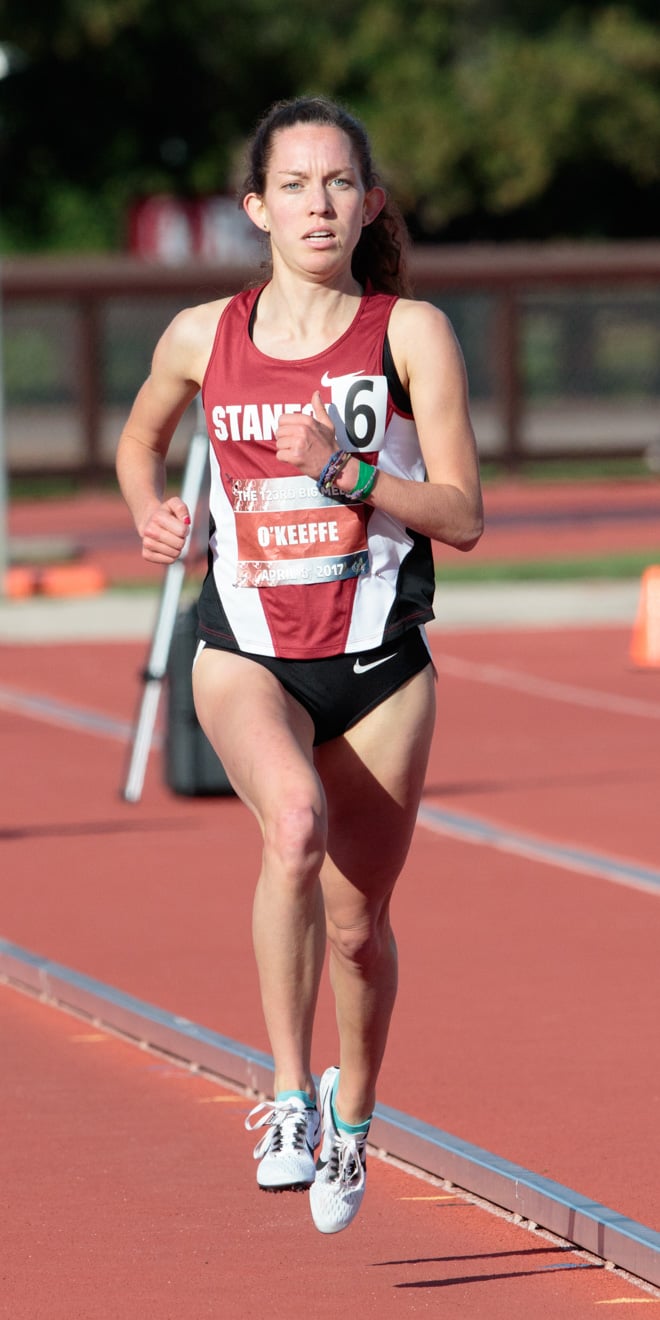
(628,565)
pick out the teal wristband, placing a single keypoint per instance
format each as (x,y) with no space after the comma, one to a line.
(364,484)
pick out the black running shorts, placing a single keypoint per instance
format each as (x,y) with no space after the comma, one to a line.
(339,691)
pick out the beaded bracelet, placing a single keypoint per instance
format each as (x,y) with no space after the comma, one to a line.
(326,481)
(336,464)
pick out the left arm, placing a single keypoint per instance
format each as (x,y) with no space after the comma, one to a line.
(448,506)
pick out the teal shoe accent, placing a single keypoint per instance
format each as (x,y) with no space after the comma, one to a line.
(308,1100)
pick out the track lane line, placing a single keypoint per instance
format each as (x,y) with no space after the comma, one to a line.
(63,714)
(458,825)
(475,829)
(550,689)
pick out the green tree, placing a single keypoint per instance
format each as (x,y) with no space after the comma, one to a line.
(510,118)
(120,98)
(478,119)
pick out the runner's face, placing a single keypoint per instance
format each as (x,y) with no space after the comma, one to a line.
(314,204)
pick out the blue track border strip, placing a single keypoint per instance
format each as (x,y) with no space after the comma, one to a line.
(572,1216)
(474,829)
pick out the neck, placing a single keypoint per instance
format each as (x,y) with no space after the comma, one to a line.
(301,318)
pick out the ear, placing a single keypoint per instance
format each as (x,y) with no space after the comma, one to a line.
(255,208)
(374,202)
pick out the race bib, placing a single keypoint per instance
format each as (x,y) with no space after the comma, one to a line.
(288,533)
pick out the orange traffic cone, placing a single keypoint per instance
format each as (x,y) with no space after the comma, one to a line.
(71,580)
(58,580)
(645,644)
(20,581)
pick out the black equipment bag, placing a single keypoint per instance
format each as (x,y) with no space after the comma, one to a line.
(192,768)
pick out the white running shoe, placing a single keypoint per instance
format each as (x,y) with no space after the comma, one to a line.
(286,1149)
(341,1169)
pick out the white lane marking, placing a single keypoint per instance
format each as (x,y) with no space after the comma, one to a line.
(551,689)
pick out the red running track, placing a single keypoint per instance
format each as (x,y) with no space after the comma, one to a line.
(526,1023)
(127,1192)
(527,1018)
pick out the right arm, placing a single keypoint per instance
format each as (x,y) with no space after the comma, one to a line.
(177,371)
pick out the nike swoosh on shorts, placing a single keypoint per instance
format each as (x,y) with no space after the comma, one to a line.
(359,668)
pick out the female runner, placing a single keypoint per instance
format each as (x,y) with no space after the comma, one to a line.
(340,447)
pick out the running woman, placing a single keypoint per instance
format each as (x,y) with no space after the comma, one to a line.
(340,448)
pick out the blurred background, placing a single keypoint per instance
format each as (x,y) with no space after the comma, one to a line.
(521,138)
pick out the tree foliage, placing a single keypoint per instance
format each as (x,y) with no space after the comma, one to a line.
(515,118)
(477,118)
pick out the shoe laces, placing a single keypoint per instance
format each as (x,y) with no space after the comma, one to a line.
(347,1161)
(285,1121)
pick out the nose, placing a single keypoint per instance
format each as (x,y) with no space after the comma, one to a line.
(319,199)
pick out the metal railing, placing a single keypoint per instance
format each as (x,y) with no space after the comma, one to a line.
(562,345)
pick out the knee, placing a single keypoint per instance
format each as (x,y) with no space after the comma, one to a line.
(363,944)
(294,841)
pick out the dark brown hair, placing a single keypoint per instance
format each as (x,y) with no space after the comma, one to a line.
(380,256)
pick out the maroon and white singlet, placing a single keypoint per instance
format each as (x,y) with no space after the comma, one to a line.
(293,573)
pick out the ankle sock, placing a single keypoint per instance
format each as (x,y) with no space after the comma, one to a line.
(308,1100)
(352,1129)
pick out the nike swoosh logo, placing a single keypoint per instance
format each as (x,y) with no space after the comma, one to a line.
(359,668)
(328,380)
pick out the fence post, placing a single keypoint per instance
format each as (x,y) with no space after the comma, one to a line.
(90,360)
(510,376)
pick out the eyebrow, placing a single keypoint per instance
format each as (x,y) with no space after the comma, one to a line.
(302,174)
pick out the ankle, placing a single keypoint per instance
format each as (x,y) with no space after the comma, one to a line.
(359,1127)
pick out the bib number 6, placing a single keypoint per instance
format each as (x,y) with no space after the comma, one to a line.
(359,410)
(360,415)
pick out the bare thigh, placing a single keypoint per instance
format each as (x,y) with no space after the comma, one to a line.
(261,734)
(373,778)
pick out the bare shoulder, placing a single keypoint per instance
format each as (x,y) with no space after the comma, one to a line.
(185,346)
(422,340)
(415,323)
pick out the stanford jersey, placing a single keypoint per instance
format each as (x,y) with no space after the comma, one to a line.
(291,572)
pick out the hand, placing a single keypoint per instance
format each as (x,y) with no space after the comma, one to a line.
(166,532)
(307,442)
